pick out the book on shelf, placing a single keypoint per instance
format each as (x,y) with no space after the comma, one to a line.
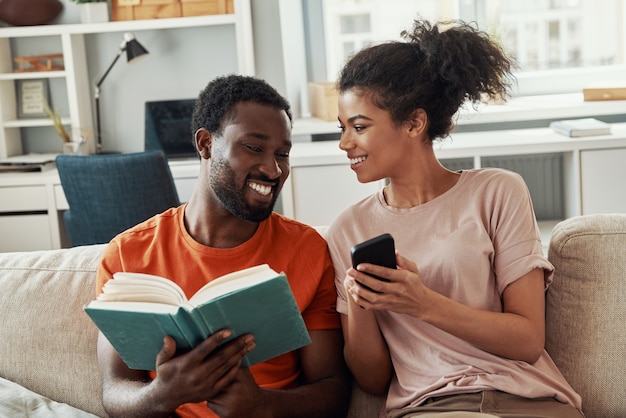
(581,127)
(27,162)
(605,90)
(135,311)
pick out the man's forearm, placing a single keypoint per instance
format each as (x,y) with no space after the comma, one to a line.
(325,398)
(134,399)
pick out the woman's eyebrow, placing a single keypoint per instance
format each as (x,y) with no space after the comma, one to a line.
(356,117)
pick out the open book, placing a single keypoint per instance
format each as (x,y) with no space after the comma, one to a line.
(136,311)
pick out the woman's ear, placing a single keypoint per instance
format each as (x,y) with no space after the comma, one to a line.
(203,140)
(418,122)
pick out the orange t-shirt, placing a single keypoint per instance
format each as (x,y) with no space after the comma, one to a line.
(162,246)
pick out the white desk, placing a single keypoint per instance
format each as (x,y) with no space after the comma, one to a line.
(31,207)
(321,183)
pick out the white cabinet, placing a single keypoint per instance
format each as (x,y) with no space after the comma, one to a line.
(320,193)
(24,219)
(23,199)
(602,181)
(321,183)
(185,175)
(592,170)
(25,233)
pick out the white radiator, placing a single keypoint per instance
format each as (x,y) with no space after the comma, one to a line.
(543,173)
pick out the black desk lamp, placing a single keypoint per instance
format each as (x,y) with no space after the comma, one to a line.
(133,50)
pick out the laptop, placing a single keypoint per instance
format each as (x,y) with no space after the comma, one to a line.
(168,128)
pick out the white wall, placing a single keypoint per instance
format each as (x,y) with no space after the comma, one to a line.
(180,64)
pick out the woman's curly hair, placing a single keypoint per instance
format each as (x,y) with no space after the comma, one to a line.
(436,69)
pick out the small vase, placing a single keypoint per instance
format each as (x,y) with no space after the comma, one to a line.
(94,12)
(73,148)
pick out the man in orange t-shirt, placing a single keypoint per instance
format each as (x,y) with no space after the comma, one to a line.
(242,130)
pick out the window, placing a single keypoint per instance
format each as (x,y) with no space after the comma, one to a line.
(561,45)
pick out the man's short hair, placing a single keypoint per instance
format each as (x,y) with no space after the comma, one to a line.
(215,104)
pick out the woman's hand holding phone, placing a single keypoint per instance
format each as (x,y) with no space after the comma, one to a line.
(379,250)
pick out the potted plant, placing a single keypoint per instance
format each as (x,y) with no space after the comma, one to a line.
(93,11)
(70,145)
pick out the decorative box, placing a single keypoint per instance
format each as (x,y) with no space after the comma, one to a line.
(144,9)
(323,98)
(207,7)
(156,9)
(614,90)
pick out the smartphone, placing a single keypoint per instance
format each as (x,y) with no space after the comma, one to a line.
(379,250)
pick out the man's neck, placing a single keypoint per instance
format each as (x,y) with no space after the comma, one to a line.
(216,227)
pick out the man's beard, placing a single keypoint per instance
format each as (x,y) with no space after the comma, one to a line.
(222,179)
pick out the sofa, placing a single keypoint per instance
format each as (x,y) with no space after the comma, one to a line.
(48,363)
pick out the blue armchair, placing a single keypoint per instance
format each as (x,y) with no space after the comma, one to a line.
(109,193)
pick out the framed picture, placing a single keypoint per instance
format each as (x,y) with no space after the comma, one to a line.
(31,96)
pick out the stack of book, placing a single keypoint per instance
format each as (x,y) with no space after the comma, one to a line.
(581,127)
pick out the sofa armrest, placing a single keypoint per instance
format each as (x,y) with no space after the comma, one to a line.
(586,308)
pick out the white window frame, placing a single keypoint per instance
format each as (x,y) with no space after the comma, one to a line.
(530,83)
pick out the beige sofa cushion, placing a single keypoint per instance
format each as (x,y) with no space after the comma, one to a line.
(47,342)
(586,310)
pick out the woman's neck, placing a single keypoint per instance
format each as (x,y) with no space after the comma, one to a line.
(421,185)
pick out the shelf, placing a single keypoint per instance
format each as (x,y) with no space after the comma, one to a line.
(552,106)
(314,126)
(32,74)
(518,109)
(30,123)
(117,26)
(473,144)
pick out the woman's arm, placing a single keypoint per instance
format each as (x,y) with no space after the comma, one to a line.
(517,333)
(365,349)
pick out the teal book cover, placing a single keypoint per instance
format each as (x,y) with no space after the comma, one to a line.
(258,301)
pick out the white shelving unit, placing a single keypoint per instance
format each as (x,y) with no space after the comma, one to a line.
(71,37)
(74,76)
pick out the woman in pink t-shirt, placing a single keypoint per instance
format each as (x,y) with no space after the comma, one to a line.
(459,326)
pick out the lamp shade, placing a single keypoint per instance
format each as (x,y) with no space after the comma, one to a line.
(133,48)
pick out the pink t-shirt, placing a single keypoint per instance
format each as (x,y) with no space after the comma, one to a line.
(469,244)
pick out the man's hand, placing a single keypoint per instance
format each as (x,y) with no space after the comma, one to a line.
(241,398)
(191,377)
(204,371)
(323,389)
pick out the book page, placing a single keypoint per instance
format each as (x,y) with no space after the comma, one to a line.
(132,306)
(140,287)
(231,282)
